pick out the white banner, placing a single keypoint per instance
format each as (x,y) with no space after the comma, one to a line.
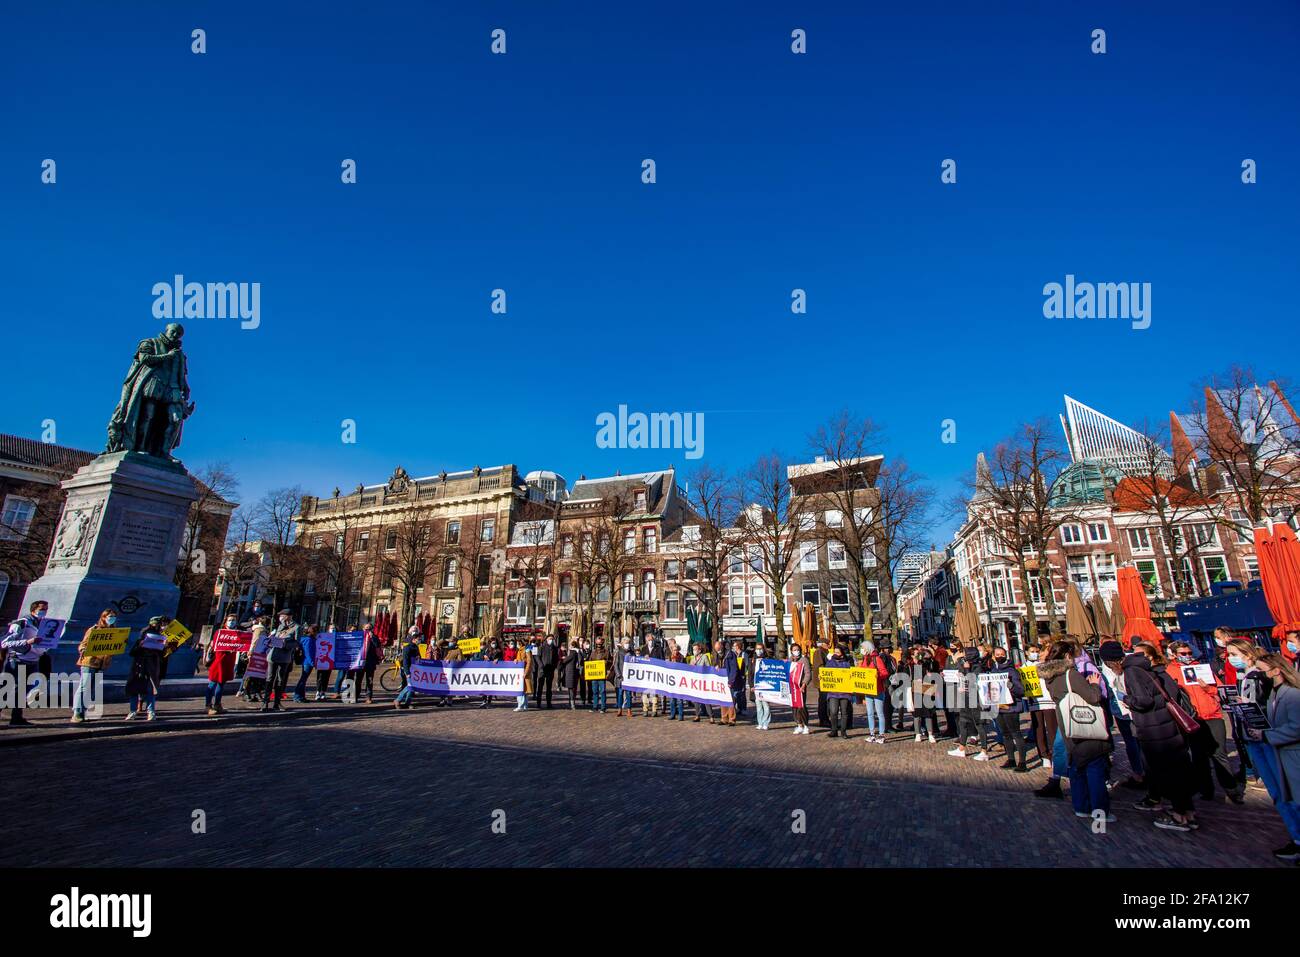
(500,678)
(696,683)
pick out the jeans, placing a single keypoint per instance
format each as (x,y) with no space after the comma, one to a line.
(598,696)
(839,714)
(212,696)
(677,708)
(1060,758)
(624,698)
(133,704)
(1088,786)
(406,694)
(875,716)
(739,696)
(649,703)
(522,702)
(1264,758)
(300,689)
(87,679)
(764,712)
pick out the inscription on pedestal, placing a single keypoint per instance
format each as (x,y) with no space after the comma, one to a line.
(142,538)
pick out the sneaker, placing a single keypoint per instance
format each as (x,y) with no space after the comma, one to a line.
(835,734)
(1289,852)
(1237,797)
(130,716)
(982,756)
(1082,814)
(1146,804)
(151,716)
(1052,789)
(917,739)
(213,712)
(78,719)
(1167,823)
(796,730)
(957,753)
(932,740)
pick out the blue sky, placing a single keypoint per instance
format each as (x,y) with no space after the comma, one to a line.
(522,171)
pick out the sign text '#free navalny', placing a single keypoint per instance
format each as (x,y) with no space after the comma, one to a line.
(696,683)
(500,678)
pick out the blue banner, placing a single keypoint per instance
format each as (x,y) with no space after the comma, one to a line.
(340,651)
(772,680)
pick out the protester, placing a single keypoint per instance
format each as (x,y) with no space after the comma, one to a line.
(528,655)
(584,686)
(970,723)
(676,706)
(800,681)
(571,672)
(146,668)
(927,685)
(284,648)
(371,655)
(91,666)
(1088,745)
(548,657)
(221,668)
(702,659)
(838,701)
(1149,690)
(252,686)
(489,651)
(306,659)
(817,660)
(875,703)
(410,655)
(1008,715)
(1112,656)
(650,702)
(1283,733)
(622,697)
(729,662)
(1255,687)
(19,647)
(1209,744)
(598,700)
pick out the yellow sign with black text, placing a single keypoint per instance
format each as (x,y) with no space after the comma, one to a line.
(101,642)
(469,646)
(594,670)
(1029,678)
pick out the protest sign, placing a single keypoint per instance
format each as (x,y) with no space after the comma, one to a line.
(340,651)
(835,681)
(672,679)
(1029,678)
(995,689)
(864,680)
(951,676)
(177,633)
(106,641)
(226,639)
(772,680)
(495,678)
(594,670)
(257,665)
(48,633)
(1198,675)
(424,649)
(153,640)
(469,646)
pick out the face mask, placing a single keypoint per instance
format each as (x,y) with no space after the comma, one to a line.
(1238,663)
(111,619)
(1033,656)
(795,654)
(1291,646)
(1185,659)
(1000,661)
(39,614)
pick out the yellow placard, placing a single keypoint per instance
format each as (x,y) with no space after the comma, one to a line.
(177,633)
(101,642)
(1029,677)
(469,646)
(424,650)
(835,680)
(864,680)
(594,670)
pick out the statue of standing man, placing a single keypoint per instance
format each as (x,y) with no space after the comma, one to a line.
(155,398)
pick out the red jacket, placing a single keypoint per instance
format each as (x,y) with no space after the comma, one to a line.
(223,667)
(1204,698)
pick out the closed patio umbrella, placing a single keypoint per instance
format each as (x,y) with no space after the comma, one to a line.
(1137,612)
(1076,619)
(1278,555)
(1101,622)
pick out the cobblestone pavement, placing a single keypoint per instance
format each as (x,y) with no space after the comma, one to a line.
(576,789)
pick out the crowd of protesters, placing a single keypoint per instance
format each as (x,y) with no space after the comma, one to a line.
(1189,724)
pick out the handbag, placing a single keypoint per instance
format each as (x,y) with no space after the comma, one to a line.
(1080,721)
(1186,723)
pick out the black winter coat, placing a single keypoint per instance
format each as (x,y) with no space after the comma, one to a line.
(1157,732)
(1082,751)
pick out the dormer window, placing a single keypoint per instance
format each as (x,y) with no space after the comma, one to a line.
(640,499)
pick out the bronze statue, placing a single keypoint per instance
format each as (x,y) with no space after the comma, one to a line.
(155,398)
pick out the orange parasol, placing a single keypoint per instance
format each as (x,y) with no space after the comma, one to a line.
(1132,603)
(1278,554)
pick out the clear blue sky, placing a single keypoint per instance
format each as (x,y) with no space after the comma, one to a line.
(522,171)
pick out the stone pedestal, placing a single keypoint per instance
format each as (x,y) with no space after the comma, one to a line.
(116,546)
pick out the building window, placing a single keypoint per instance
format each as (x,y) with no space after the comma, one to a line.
(873,596)
(692,570)
(840,598)
(453,533)
(670,570)
(1146,570)
(756,559)
(808,556)
(835,555)
(1241,526)
(736,562)
(736,603)
(1078,571)
(1104,566)
(1071,535)
(566,588)
(863,516)
(602,588)
(1098,532)
(4,586)
(539,603)
(363,542)
(999,588)
(807,521)
(449,573)
(1205,536)
(566,546)
(758,599)
(487,531)
(17,517)
(1139,540)
(868,558)
(1036,588)
(484,576)
(650,538)
(1250,562)
(1216,570)
(834,519)
(672,605)
(812,595)
(639,500)
(629,541)
(390,540)
(629,587)
(648,589)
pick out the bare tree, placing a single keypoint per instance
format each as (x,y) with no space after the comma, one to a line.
(902,522)
(215,484)
(287,564)
(1163,485)
(243,556)
(1249,443)
(415,549)
(771,531)
(332,571)
(713,500)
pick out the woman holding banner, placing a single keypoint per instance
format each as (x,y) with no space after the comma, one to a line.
(90,665)
(837,702)
(702,658)
(800,681)
(528,656)
(221,668)
(146,668)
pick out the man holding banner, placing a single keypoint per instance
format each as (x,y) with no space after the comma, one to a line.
(497,679)
(671,679)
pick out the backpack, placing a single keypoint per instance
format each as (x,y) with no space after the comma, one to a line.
(1080,721)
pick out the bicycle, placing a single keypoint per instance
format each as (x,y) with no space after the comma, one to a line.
(390,677)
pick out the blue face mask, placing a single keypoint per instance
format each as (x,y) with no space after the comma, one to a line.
(1238,663)
(111,619)
(1291,645)
(40,613)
